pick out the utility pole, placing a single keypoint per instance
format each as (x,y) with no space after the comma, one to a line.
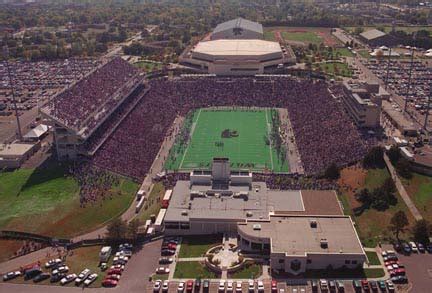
(410,75)
(6,56)
(427,109)
(388,68)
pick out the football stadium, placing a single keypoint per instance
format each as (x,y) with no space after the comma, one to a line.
(248,137)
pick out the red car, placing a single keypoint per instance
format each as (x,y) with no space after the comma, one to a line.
(189,286)
(109,283)
(390,262)
(400,272)
(365,285)
(114,271)
(274,286)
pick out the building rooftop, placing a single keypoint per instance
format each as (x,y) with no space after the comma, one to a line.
(239,23)
(237,47)
(372,34)
(294,235)
(15,149)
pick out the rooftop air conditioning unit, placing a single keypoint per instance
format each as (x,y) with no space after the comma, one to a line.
(324,243)
(256,227)
(184,213)
(249,214)
(313,224)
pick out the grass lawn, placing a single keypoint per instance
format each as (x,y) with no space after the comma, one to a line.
(364,54)
(153,204)
(408,29)
(371,225)
(305,37)
(148,66)
(244,141)
(373,258)
(195,246)
(344,52)
(193,270)
(335,69)
(46,201)
(419,188)
(269,35)
(161,277)
(250,271)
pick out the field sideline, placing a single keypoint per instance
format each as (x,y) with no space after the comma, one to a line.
(238,134)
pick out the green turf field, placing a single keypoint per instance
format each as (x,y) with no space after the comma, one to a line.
(242,135)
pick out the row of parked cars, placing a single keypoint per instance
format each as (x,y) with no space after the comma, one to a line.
(224,286)
(120,259)
(395,268)
(413,247)
(59,273)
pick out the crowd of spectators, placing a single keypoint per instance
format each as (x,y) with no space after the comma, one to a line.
(87,102)
(94,182)
(324,133)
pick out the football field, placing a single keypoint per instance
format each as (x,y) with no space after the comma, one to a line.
(240,134)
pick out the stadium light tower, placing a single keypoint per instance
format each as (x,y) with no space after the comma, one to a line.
(6,56)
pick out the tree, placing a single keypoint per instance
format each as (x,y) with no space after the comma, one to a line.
(398,223)
(421,231)
(403,168)
(388,186)
(374,158)
(394,154)
(332,172)
(117,229)
(364,197)
(133,229)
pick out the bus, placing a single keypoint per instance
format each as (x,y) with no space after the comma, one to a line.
(166,198)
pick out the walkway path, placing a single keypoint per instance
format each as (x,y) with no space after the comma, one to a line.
(406,198)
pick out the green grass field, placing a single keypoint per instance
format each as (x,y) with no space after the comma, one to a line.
(335,69)
(195,246)
(193,270)
(46,201)
(305,37)
(245,145)
(419,188)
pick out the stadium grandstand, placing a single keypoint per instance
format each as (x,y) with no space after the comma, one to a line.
(105,94)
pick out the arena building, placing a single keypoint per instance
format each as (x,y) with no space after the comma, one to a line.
(238,28)
(293,227)
(77,112)
(229,52)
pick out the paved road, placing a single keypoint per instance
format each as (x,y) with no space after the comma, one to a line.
(8,129)
(406,198)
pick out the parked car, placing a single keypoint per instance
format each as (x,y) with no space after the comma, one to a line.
(157,285)
(167,252)
(69,278)
(390,286)
(357,286)
(162,270)
(413,247)
(221,287)
(41,277)
(239,287)
(125,246)
(382,286)
(340,286)
(230,286)
(260,286)
(406,248)
(421,248)
(11,275)
(56,278)
(165,286)
(251,286)
(373,285)
(117,267)
(189,286)
(399,279)
(332,286)
(31,273)
(206,286)
(62,269)
(180,287)
(197,285)
(90,279)
(82,276)
(113,277)
(365,285)
(314,285)
(273,286)
(52,262)
(324,285)
(429,248)
(165,260)
(109,283)
(114,271)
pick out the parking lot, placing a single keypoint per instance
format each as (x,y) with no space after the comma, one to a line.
(419,268)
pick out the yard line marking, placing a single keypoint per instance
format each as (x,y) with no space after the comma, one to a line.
(191,134)
(268,132)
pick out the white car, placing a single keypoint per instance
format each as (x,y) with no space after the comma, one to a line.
(90,279)
(114,277)
(162,270)
(120,267)
(69,278)
(413,247)
(251,286)
(82,276)
(221,286)
(260,286)
(157,285)
(238,287)
(52,262)
(11,275)
(229,286)
(62,269)
(165,286)
(181,287)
